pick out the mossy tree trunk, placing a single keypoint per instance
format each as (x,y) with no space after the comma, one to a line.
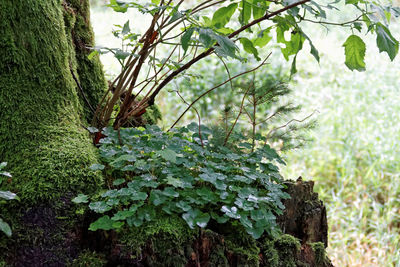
(42,111)
(43,46)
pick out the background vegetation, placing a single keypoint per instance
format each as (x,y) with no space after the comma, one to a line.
(355,153)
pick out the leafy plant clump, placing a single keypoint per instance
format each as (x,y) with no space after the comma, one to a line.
(7,195)
(187,173)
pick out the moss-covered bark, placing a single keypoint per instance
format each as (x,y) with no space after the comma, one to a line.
(41,117)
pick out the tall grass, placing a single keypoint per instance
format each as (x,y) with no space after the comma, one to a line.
(355,158)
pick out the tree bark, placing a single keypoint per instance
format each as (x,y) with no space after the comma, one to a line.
(41,115)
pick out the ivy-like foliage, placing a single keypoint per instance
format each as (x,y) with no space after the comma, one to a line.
(7,195)
(187,173)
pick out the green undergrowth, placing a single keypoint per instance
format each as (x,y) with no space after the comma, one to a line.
(182,173)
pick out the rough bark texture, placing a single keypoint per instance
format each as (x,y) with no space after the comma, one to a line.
(42,42)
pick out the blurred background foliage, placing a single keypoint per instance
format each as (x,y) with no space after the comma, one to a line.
(355,153)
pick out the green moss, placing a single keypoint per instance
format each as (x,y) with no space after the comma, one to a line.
(89,259)
(319,252)
(167,238)
(88,71)
(270,254)
(287,247)
(40,134)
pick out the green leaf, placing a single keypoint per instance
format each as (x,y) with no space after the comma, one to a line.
(259,8)
(202,220)
(118,182)
(255,232)
(99,207)
(97,167)
(168,155)
(263,38)
(122,215)
(93,54)
(8,195)
(126,29)
(81,198)
(206,37)
(5,228)
(354,49)
(118,6)
(223,15)
(293,68)
(121,55)
(294,45)
(105,223)
(386,42)
(186,37)
(245,12)
(226,48)
(248,46)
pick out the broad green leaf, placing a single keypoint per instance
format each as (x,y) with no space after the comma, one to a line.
(245,12)
(96,167)
(2,165)
(118,182)
(294,45)
(248,46)
(222,16)
(118,6)
(5,228)
(259,8)
(226,48)
(81,198)
(202,220)
(122,215)
(170,192)
(121,55)
(386,42)
(354,49)
(105,223)
(206,37)
(186,37)
(8,195)
(168,155)
(255,232)
(263,38)
(99,207)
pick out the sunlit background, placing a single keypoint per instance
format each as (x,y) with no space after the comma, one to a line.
(355,156)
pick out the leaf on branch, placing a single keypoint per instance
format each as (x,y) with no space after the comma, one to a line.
(186,37)
(245,13)
(223,15)
(248,46)
(354,49)
(386,42)
(263,38)
(226,48)
(126,29)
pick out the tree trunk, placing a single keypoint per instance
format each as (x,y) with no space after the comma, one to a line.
(41,115)
(47,89)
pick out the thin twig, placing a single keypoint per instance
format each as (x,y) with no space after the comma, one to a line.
(289,122)
(219,85)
